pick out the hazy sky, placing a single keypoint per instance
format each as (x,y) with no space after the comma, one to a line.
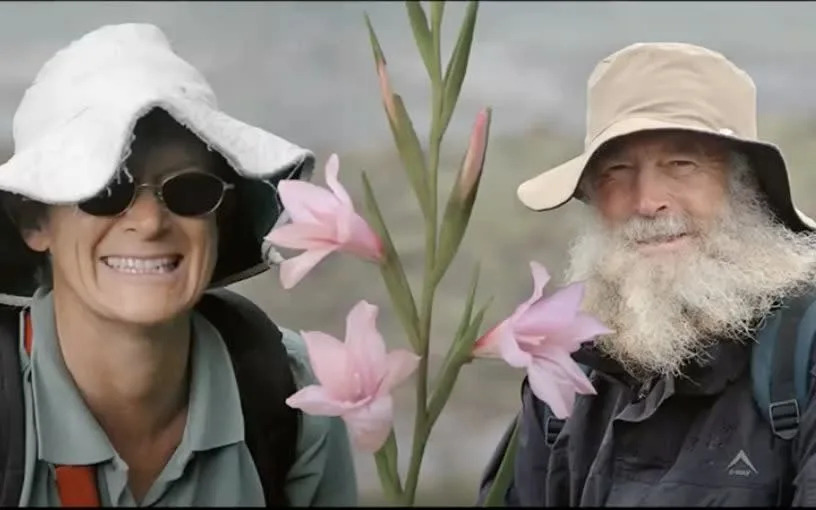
(304,70)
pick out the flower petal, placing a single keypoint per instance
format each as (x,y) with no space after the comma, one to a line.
(365,346)
(487,346)
(332,169)
(583,329)
(400,364)
(566,371)
(370,425)
(306,202)
(509,349)
(361,240)
(547,388)
(302,236)
(329,359)
(551,313)
(343,224)
(293,270)
(315,400)
(540,279)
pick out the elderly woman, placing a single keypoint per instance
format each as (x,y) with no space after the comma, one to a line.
(130,198)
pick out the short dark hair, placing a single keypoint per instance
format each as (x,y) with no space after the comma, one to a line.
(156,126)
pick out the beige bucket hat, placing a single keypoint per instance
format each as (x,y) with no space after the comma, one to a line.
(73,129)
(652,86)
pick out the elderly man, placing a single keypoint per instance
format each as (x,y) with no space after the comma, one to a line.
(691,248)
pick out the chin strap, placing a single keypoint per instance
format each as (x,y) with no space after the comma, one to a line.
(76,485)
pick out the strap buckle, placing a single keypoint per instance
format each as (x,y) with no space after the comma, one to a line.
(552,427)
(784,418)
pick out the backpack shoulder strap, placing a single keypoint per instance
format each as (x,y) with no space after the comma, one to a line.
(265,380)
(781,363)
(12,409)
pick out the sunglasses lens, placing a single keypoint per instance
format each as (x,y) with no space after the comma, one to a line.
(110,201)
(192,193)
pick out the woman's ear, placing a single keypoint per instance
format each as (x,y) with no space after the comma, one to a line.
(37,238)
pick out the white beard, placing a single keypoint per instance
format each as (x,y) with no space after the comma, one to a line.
(666,310)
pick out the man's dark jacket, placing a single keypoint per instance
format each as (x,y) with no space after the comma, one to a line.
(697,440)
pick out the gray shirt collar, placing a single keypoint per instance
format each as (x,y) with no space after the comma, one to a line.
(67,432)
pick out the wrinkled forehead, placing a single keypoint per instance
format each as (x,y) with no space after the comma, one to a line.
(664,142)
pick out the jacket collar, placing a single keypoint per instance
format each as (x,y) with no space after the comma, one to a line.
(721,363)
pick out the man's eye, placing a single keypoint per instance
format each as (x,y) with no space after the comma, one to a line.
(616,168)
(682,163)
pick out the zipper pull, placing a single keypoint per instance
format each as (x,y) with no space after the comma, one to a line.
(643,392)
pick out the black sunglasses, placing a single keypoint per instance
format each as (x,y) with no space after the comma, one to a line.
(190,194)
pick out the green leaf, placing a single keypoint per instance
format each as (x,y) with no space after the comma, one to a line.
(464,322)
(410,151)
(392,455)
(468,312)
(504,475)
(405,137)
(452,231)
(386,460)
(465,342)
(449,371)
(422,36)
(457,66)
(392,271)
(375,43)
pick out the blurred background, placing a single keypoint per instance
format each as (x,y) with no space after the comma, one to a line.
(305,71)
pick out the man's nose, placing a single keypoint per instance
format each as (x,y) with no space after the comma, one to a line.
(651,192)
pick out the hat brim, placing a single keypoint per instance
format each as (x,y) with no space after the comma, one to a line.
(554,187)
(97,141)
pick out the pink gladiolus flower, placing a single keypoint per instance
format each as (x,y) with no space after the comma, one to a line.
(356,378)
(323,221)
(540,336)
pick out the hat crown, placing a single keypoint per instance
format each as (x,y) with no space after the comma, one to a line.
(100,68)
(676,83)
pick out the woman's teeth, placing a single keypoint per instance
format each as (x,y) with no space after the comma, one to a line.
(135,265)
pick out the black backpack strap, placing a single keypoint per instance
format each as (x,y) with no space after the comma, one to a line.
(12,409)
(784,408)
(781,362)
(265,381)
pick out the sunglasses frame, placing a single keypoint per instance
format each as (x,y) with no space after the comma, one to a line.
(157,192)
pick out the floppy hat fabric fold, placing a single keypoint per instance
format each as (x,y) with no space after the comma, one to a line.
(669,86)
(73,129)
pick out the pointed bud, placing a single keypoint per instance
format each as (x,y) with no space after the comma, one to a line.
(386,92)
(463,195)
(473,164)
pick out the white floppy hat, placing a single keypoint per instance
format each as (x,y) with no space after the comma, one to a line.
(654,86)
(73,129)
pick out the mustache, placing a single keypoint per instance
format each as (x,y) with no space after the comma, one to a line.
(641,229)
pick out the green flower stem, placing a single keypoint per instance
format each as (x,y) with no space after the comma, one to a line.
(447,379)
(444,94)
(421,426)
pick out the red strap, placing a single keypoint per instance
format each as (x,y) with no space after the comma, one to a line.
(76,485)
(29,335)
